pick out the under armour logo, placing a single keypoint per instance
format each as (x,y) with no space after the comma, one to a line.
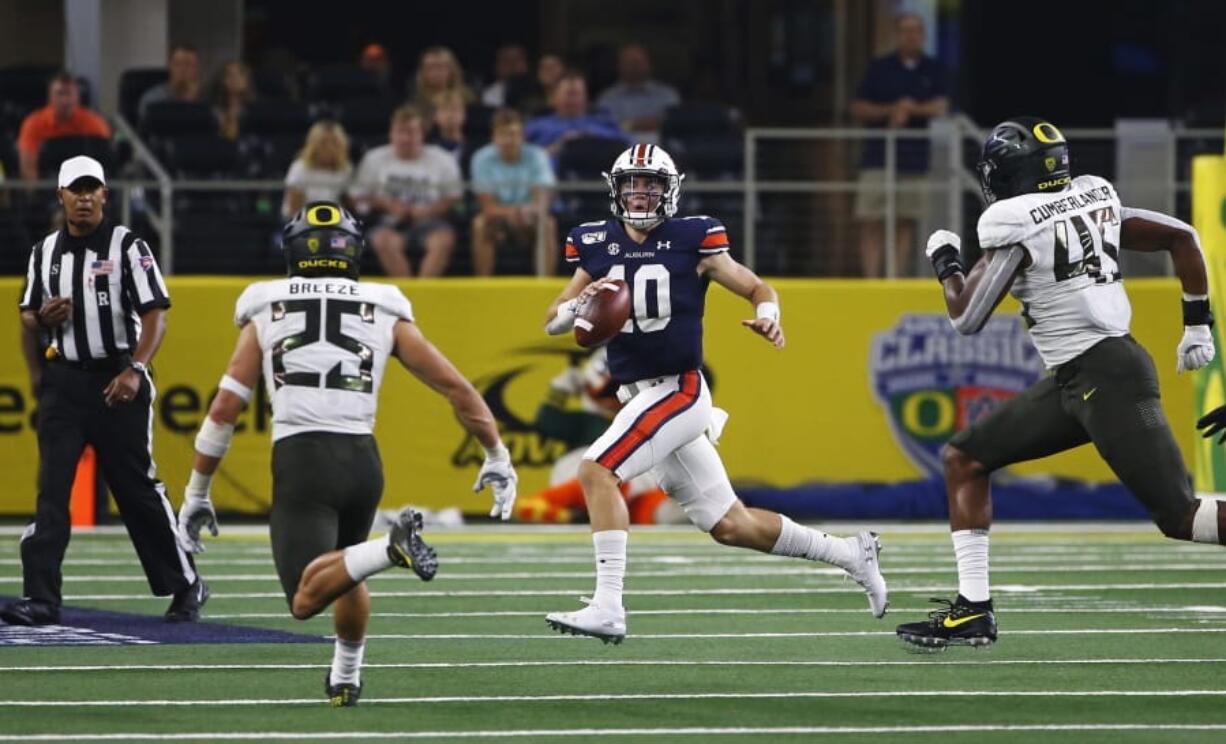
(664,245)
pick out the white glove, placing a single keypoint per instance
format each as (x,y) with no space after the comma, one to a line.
(196,512)
(940,238)
(499,473)
(1195,348)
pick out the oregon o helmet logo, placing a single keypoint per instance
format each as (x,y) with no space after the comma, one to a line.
(323,216)
(1047,133)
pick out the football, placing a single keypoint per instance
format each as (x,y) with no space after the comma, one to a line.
(602,317)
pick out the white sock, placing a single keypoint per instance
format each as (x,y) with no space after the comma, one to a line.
(367,559)
(1204,522)
(610,567)
(347,662)
(805,542)
(971,550)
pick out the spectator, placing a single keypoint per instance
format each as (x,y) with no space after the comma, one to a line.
(902,90)
(510,65)
(570,118)
(183,83)
(232,91)
(408,188)
(636,101)
(512,181)
(549,70)
(63,116)
(448,129)
(322,169)
(375,60)
(438,70)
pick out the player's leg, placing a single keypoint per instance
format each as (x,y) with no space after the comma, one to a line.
(483,245)
(389,245)
(653,423)
(1115,393)
(61,440)
(1030,426)
(694,477)
(438,240)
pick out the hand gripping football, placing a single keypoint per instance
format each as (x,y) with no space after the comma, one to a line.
(602,317)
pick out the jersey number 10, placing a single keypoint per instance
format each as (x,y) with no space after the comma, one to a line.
(332,334)
(647,318)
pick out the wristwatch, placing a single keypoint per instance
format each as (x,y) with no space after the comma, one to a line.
(139,366)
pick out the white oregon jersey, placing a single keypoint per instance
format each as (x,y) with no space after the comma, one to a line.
(325,343)
(1071,292)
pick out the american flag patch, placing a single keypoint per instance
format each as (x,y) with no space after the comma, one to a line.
(338,241)
(101,267)
(146,262)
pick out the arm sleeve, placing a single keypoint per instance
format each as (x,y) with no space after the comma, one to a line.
(451,185)
(1127,213)
(147,289)
(544,171)
(364,183)
(397,304)
(249,303)
(29,139)
(294,176)
(571,250)
(32,291)
(482,183)
(716,238)
(867,89)
(1003,264)
(1003,227)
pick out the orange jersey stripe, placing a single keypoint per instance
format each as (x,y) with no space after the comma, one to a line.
(651,422)
(715,240)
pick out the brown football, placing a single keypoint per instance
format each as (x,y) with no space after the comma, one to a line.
(602,317)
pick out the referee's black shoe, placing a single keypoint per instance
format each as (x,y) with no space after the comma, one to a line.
(406,548)
(959,623)
(185,607)
(30,612)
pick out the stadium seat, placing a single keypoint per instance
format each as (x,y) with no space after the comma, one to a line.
(25,87)
(583,159)
(477,123)
(340,84)
(272,118)
(203,156)
(270,84)
(367,117)
(698,120)
(276,153)
(132,85)
(58,149)
(172,119)
(712,158)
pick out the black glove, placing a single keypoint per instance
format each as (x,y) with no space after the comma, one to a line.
(1212,423)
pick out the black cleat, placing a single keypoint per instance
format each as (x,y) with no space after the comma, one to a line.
(30,612)
(959,623)
(185,607)
(406,548)
(341,696)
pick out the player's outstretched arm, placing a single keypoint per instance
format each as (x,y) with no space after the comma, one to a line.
(1146,231)
(428,364)
(971,298)
(741,281)
(214,436)
(560,318)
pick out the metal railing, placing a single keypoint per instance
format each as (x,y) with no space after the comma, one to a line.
(786,205)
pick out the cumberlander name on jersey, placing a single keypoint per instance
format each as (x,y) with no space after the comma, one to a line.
(664,333)
(1071,293)
(325,344)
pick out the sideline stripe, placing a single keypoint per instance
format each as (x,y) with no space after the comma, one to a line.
(612,697)
(690,731)
(604,663)
(802,634)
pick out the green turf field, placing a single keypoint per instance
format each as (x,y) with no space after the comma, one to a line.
(1107,635)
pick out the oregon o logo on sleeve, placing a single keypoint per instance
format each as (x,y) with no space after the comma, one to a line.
(934,382)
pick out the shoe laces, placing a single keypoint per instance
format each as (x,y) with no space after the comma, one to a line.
(938,616)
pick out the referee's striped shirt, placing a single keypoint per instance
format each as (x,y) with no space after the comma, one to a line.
(111,277)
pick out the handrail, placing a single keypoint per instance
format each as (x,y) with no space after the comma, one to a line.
(163,223)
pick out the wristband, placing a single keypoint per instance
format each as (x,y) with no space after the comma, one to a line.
(198,483)
(214,439)
(1196,310)
(946,262)
(498,453)
(564,320)
(236,387)
(768,311)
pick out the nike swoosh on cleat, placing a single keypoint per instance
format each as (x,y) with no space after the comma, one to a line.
(1086,395)
(962,620)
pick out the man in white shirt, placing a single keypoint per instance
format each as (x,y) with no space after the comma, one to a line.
(405,190)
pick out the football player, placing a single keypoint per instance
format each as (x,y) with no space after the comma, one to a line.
(1055,241)
(322,338)
(668,423)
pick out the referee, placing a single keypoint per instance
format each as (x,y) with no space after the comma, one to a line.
(95,290)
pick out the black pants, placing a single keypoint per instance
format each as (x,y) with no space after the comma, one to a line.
(325,491)
(1109,396)
(71,414)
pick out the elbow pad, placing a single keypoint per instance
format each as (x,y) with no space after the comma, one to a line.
(213,440)
(564,321)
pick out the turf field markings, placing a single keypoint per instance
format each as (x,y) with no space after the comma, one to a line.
(573,733)
(781,634)
(623,697)
(614,663)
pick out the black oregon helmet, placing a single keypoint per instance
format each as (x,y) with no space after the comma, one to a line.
(1023,155)
(323,239)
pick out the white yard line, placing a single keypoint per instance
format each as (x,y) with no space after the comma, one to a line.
(797,634)
(611,663)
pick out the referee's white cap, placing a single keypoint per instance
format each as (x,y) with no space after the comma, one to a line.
(80,167)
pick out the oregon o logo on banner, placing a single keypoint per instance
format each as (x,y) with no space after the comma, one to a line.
(323,216)
(928,413)
(1047,133)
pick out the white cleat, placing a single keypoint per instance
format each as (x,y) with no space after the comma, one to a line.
(593,620)
(866,571)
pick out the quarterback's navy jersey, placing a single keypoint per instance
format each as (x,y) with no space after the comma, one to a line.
(664,333)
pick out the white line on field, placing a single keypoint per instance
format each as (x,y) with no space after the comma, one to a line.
(609,663)
(610,697)
(575,733)
(797,634)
